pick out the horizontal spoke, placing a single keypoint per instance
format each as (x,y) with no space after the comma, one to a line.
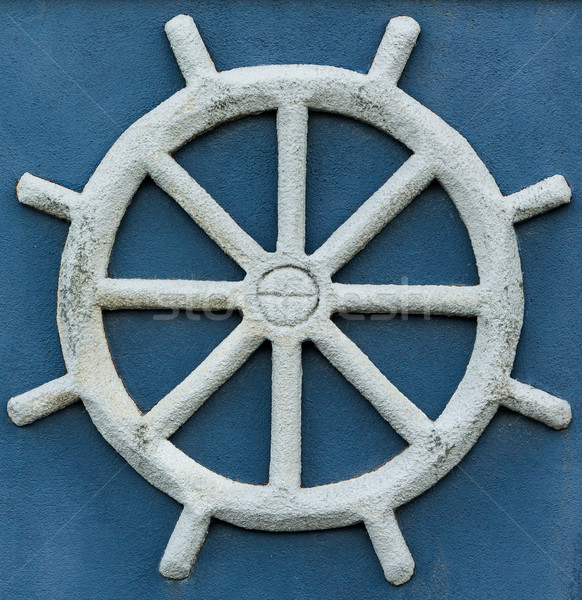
(172,411)
(116,294)
(353,235)
(205,211)
(285,470)
(458,301)
(404,416)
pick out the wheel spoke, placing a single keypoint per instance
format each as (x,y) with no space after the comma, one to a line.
(116,294)
(458,301)
(348,239)
(292,151)
(185,543)
(285,469)
(404,416)
(537,404)
(172,411)
(43,401)
(389,545)
(205,211)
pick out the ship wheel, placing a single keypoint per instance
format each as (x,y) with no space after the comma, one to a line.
(288,297)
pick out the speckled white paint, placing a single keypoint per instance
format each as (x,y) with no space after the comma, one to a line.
(288,297)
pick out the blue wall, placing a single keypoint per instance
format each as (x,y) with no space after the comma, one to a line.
(75,522)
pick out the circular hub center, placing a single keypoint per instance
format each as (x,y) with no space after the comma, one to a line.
(287,295)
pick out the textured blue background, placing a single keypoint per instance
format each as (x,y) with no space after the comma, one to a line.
(75,522)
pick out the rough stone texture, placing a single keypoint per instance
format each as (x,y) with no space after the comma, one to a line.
(465,546)
(288,297)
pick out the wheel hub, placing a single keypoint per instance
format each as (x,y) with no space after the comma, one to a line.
(287,295)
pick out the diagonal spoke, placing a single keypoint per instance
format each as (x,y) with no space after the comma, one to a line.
(205,211)
(404,416)
(172,411)
(458,301)
(292,151)
(285,469)
(144,294)
(351,237)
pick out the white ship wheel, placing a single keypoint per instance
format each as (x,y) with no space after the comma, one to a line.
(288,297)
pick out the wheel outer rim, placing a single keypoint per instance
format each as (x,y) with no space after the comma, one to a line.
(189,113)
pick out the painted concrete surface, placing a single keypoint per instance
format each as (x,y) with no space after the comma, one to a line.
(505,523)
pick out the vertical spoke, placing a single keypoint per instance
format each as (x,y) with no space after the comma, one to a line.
(292,150)
(285,470)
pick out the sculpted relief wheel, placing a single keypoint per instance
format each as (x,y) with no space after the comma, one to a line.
(288,297)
